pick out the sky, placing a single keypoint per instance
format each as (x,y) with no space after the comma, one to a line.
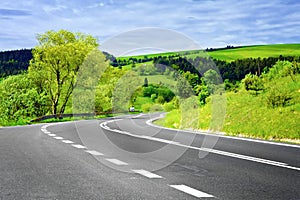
(209,23)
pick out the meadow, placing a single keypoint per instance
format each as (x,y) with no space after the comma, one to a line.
(255,51)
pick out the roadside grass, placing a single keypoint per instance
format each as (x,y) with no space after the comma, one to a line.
(248,115)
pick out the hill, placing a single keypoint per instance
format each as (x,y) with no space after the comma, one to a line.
(262,51)
(229,53)
(272,114)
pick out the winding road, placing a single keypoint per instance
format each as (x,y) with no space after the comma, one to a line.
(127,157)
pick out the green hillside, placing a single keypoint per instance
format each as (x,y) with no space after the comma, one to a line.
(254,115)
(262,51)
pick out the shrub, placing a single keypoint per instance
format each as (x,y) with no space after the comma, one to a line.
(277,98)
(156,108)
(146,107)
(252,82)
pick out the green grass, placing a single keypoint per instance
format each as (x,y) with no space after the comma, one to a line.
(262,51)
(249,116)
(166,80)
(140,101)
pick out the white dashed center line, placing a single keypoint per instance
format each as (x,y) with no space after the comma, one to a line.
(52,135)
(146,173)
(95,153)
(58,138)
(191,191)
(45,131)
(68,141)
(78,146)
(116,161)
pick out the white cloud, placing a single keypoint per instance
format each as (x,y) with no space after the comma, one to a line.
(210,23)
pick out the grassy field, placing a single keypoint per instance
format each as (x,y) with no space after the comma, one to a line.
(248,115)
(263,51)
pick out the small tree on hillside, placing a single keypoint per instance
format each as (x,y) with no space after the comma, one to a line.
(252,82)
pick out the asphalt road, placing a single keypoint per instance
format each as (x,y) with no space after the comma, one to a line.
(128,158)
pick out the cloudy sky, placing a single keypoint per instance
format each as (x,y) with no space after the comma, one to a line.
(210,23)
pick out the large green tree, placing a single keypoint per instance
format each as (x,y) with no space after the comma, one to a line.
(55,63)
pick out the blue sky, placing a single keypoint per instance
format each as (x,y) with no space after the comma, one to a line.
(210,23)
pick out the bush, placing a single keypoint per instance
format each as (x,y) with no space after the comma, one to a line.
(156,108)
(160,100)
(252,82)
(146,107)
(20,99)
(277,98)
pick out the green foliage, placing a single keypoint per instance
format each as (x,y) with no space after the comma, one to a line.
(56,61)
(273,115)
(212,80)
(146,107)
(20,99)
(184,89)
(253,83)
(105,89)
(158,90)
(277,97)
(262,51)
(124,91)
(283,69)
(160,100)
(153,97)
(203,94)
(172,105)
(146,70)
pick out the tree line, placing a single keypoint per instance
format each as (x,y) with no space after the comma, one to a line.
(14,62)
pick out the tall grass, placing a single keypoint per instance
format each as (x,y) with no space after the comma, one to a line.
(249,115)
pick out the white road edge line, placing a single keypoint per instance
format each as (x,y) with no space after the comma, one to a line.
(95,153)
(78,146)
(116,161)
(191,191)
(224,153)
(149,122)
(146,173)
(141,114)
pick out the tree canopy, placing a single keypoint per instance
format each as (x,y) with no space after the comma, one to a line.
(55,63)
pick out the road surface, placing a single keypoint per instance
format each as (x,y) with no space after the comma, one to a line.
(128,158)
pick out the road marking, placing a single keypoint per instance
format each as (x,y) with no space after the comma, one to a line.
(146,173)
(67,141)
(116,161)
(95,153)
(52,135)
(160,140)
(45,130)
(138,116)
(58,138)
(78,146)
(224,153)
(191,191)
(149,122)
(45,126)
